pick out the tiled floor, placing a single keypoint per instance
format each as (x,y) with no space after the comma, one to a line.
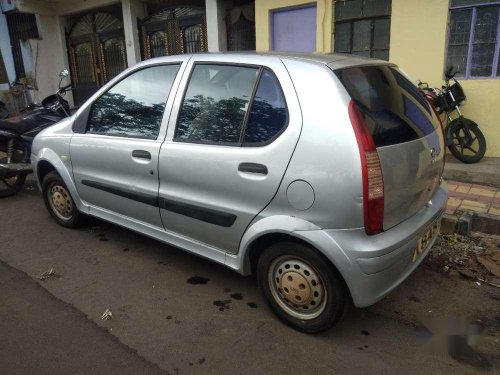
(472,197)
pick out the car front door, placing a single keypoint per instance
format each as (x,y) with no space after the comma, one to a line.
(231,134)
(115,156)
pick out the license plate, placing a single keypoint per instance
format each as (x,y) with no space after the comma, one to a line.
(425,240)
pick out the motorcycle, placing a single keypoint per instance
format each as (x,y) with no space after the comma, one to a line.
(16,137)
(463,137)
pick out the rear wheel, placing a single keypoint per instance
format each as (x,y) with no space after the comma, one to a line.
(12,185)
(59,201)
(301,287)
(468,147)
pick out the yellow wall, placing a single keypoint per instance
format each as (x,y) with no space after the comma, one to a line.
(418,46)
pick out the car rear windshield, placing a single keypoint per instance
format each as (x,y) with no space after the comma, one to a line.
(394,109)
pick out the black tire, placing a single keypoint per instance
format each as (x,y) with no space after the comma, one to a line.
(68,216)
(476,150)
(12,185)
(333,303)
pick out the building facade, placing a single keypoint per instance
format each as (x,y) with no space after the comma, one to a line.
(97,39)
(422,36)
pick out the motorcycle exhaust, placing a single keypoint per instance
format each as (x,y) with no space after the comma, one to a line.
(14,169)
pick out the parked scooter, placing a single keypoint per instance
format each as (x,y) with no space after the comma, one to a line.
(463,137)
(16,138)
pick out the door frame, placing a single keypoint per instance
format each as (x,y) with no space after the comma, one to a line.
(96,40)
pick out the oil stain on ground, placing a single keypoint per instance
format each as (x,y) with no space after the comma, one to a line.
(253,305)
(196,280)
(237,296)
(223,305)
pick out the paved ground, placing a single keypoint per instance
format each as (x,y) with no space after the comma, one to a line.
(43,335)
(473,198)
(485,172)
(179,326)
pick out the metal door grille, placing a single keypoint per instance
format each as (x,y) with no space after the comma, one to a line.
(241,35)
(173,31)
(96,47)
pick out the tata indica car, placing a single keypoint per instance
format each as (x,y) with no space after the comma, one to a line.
(319,173)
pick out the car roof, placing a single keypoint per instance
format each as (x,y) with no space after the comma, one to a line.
(333,60)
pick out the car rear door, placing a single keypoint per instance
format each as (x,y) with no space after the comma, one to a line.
(406,132)
(115,156)
(231,135)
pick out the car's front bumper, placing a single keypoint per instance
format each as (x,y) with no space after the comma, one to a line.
(373,266)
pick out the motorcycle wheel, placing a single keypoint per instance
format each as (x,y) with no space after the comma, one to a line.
(11,185)
(467,149)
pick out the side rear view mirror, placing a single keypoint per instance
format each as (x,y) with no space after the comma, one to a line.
(64,73)
(450,72)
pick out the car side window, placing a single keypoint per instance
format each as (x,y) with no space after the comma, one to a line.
(268,116)
(134,106)
(215,104)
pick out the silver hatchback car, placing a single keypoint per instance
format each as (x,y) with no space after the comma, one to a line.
(321,173)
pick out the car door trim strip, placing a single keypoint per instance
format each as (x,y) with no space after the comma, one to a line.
(208,215)
(136,196)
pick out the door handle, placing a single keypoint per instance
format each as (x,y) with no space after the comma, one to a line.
(141,154)
(253,168)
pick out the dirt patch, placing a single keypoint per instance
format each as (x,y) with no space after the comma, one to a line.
(476,257)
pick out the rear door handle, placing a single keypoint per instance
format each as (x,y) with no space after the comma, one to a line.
(253,168)
(141,154)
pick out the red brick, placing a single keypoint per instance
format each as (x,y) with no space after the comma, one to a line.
(455,194)
(450,210)
(481,198)
(477,186)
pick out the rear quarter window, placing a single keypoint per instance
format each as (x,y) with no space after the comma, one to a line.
(393,108)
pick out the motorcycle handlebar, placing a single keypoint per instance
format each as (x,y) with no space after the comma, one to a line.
(64,88)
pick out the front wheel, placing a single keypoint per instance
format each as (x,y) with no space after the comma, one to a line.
(301,286)
(59,201)
(467,144)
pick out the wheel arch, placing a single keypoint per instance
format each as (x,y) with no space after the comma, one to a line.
(42,169)
(267,231)
(257,247)
(48,161)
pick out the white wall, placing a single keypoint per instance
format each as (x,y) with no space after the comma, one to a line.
(216,25)
(6,52)
(52,55)
(132,9)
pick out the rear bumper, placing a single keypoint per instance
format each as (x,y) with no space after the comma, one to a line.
(373,266)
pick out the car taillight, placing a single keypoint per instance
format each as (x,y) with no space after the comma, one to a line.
(373,183)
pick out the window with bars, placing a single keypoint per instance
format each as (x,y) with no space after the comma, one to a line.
(363,27)
(473,38)
(3,71)
(22,26)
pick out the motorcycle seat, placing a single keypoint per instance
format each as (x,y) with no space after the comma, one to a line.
(19,127)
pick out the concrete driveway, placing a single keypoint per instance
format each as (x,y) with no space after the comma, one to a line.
(188,315)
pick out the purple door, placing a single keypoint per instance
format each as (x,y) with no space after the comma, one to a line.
(294,29)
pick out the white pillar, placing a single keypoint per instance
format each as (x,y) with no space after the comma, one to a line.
(216,25)
(132,9)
